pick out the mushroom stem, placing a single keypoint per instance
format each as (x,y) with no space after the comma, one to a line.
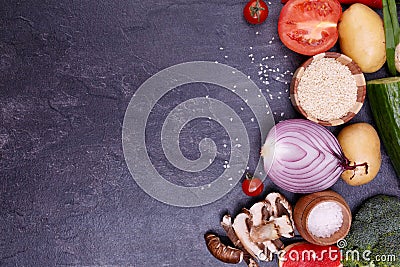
(222,252)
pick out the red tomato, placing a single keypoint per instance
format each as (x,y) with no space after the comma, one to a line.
(252,186)
(309,27)
(370,3)
(255,11)
(303,254)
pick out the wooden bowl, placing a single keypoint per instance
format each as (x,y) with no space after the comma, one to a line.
(302,211)
(355,71)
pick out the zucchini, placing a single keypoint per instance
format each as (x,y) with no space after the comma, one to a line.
(384,99)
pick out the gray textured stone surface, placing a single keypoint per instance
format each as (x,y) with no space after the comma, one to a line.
(68,70)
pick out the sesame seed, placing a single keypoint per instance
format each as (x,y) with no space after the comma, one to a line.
(327,90)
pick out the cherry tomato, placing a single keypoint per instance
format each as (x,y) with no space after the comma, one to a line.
(309,27)
(255,11)
(252,186)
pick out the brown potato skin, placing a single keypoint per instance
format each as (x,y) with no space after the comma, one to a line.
(360,143)
(362,37)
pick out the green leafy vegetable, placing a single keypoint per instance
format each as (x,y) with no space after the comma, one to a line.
(376,228)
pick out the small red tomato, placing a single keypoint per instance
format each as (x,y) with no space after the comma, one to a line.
(252,186)
(255,11)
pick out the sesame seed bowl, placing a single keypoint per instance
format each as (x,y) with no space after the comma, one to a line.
(329,89)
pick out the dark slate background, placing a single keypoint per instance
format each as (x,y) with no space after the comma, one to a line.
(68,70)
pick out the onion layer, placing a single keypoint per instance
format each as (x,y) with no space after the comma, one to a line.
(301,156)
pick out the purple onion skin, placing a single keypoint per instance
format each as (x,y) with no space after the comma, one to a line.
(301,156)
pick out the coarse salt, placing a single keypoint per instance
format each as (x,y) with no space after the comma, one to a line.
(325,219)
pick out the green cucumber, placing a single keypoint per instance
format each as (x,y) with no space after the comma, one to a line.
(384,99)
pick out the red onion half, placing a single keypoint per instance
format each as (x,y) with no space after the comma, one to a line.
(301,156)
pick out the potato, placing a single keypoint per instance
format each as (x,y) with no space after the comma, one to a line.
(362,37)
(360,143)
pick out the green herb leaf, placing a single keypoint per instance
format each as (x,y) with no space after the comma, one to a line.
(390,33)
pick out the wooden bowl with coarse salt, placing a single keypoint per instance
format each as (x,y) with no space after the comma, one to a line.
(329,89)
(322,218)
